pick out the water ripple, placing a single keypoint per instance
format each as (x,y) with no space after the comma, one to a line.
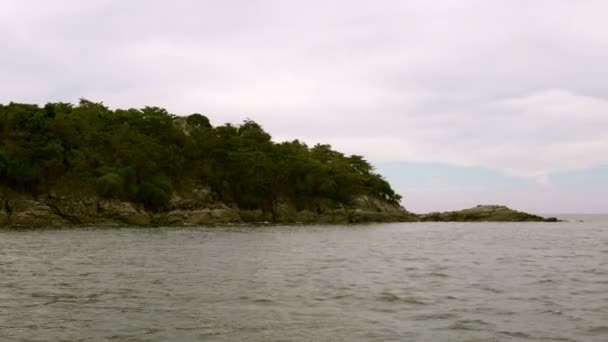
(393,282)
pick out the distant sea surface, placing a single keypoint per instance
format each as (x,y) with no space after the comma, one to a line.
(376,282)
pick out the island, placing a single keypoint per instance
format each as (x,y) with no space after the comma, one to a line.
(86,164)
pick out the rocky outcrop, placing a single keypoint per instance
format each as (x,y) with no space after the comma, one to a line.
(198,217)
(481,213)
(32,213)
(76,210)
(361,209)
(124,212)
(370,209)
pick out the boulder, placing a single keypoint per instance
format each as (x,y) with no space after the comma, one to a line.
(223,215)
(173,217)
(204,216)
(284,211)
(124,212)
(76,210)
(32,213)
(204,195)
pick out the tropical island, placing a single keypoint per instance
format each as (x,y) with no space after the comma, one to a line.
(87,164)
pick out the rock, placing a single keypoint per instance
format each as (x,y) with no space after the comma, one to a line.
(124,212)
(285,212)
(482,213)
(76,210)
(255,216)
(204,216)
(204,195)
(369,209)
(211,216)
(173,217)
(32,213)
(225,216)
(306,216)
(198,217)
(4,215)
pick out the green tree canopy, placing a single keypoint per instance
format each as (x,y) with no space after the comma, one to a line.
(145,154)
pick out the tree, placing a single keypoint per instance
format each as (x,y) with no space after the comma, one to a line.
(144,154)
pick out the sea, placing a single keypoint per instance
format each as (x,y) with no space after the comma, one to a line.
(368,282)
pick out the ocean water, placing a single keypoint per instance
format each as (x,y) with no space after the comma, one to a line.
(376,282)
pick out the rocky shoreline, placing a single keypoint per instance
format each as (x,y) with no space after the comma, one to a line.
(202,209)
(59,211)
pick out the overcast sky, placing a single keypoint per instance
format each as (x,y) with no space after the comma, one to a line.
(456,102)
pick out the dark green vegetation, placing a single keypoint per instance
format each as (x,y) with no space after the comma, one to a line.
(144,155)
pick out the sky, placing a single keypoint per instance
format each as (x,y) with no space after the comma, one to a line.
(456,102)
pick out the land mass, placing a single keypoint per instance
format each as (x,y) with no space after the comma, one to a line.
(53,210)
(87,164)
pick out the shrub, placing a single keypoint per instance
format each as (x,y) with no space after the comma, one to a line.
(110,185)
(152,195)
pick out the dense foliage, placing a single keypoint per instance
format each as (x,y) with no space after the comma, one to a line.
(145,154)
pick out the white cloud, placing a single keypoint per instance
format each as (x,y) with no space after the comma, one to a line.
(515,86)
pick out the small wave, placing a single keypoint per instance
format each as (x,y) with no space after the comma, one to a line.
(469,324)
(342,296)
(256,300)
(443,315)
(553,312)
(545,281)
(491,289)
(438,274)
(391,297)
(516,334)
(262,301)
(596,271)
(598,330)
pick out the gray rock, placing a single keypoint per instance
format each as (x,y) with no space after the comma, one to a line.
(32,213)
(204,195)
(76,210)
(204,216)
(124,212)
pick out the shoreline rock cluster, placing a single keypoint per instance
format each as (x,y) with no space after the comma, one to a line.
(52,210)
(203,209)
